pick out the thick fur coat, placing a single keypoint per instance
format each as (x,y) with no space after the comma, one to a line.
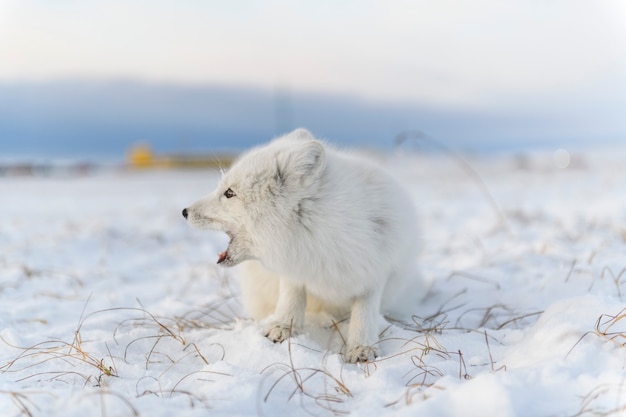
(315,226)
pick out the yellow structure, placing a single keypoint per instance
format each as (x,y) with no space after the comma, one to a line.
(140,156)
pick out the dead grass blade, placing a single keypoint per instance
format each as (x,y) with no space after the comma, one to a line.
(23,402)
(617,278)
(592,403)
(605,329)
(465,166)
(300,378)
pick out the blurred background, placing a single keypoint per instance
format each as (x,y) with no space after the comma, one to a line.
(91,79)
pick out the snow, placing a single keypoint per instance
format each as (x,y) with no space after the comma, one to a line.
(112,305)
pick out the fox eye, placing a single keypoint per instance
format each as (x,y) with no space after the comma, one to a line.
(229,193)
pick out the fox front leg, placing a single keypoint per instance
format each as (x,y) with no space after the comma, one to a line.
(288,317)
(363,330)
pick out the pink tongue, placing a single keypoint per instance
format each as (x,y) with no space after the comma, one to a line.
(220,257)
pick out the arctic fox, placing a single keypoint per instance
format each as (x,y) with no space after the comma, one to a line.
(319,227)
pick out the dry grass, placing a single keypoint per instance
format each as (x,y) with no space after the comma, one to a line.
(605,329)
(616,277)
(165,346)
(58,360)
(594,403)
(303,380)
(24,401)
(70,354)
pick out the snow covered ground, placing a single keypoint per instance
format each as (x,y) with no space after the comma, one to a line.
(111,305)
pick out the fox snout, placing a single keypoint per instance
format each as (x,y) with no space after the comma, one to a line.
(185,213)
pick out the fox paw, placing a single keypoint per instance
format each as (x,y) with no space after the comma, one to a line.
(361,354)
(278,333)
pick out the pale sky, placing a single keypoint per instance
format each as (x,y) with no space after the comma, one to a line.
(444,52)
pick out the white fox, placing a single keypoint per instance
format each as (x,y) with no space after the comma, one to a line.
(319,227)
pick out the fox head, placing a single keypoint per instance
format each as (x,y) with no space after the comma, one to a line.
(259,198)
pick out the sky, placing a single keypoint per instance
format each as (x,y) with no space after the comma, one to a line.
(551,68)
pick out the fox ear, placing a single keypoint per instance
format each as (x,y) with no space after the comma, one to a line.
(301,134)
(304,163)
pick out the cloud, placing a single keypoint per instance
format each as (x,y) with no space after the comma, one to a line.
(91,118)
(448,52)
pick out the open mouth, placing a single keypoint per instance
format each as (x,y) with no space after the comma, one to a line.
(223,256)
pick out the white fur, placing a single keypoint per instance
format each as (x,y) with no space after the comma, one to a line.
(318,227)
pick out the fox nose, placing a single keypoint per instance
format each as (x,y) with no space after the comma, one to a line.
(185,213)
